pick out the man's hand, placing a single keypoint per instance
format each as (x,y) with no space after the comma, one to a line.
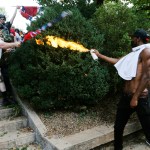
(96,52)
(134,102)
(17,44)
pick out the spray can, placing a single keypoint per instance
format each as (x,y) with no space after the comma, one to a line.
(94,56)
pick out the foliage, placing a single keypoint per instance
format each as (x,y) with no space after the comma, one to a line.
(141,6)
(86,7)
(52,78)
(117,22)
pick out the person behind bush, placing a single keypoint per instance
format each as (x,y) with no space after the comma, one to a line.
(134,68)
(18,37)
(9,23)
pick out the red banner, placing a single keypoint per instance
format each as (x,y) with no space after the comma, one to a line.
(29,12)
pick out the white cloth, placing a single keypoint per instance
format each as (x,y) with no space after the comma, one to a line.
(127,65)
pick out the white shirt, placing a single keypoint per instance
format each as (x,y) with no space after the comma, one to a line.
(127,66)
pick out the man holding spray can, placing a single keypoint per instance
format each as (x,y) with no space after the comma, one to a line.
(134,68)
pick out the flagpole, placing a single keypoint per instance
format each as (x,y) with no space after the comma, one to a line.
(32,34)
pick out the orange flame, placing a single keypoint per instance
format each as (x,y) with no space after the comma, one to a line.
(39,42)
(56,41)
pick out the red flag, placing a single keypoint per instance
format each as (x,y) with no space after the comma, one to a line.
(31,34)
(29,12)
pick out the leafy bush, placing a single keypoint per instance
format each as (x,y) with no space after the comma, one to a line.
(52,78)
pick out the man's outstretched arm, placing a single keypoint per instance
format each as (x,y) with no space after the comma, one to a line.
(106,58)
(145,78)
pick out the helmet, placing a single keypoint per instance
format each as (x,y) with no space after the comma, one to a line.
(2,16)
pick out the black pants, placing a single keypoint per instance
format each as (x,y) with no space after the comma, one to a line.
(124,112)
(4,71)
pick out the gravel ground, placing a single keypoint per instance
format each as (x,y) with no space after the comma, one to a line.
(63,123)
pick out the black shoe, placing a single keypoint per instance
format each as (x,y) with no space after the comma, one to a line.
(147,142)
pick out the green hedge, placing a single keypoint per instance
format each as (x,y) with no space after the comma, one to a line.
(52,78)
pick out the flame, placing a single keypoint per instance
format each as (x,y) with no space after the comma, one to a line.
(59,42)
(39,42)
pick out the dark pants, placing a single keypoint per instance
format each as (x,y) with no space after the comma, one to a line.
(4,71)
(124,112)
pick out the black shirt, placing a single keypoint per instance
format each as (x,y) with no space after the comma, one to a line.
(8,25)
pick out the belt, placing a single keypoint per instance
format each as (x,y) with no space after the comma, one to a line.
(128,94)
(131,94)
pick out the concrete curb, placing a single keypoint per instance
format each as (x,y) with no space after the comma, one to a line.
(4,113)
(34,122)
(84,140)
(13,139)
(91,138)
(13,125)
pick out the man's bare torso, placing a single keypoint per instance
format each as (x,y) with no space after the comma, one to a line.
(132,85)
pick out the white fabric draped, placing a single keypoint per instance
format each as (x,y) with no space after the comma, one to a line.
(127,65)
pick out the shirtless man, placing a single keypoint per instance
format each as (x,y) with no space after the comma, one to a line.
(135,92)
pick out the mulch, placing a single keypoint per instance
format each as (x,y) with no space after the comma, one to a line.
(63,123)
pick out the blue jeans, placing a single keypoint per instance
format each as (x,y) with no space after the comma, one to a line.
(124,112)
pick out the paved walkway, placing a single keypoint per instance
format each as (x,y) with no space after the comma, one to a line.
(137,147)
(134,141)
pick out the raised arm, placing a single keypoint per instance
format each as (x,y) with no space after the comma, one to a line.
(107,59)
(145,78)
(14,15)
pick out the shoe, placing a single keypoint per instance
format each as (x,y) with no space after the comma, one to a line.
(148,142)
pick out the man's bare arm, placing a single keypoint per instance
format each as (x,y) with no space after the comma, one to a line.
(107,59)
(145,78)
